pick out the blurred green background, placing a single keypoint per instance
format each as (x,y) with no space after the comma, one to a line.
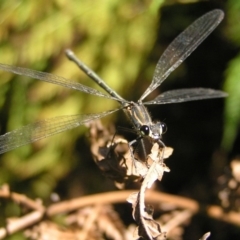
(122,41)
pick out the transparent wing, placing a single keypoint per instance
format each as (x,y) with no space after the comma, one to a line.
(185,95)
(51,78)
(183,46)
(43,129)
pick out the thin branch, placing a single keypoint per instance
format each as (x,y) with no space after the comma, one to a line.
(177,220)
(21,223)
(218,213)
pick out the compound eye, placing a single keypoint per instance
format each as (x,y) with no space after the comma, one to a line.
(164,127)
(145,130)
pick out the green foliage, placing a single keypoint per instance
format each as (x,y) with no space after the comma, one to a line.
(232,104)
(232,82)
(113,37)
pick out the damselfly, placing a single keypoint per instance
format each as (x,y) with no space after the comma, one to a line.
(173,56)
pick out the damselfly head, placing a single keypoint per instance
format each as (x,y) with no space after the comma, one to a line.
(154,131)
